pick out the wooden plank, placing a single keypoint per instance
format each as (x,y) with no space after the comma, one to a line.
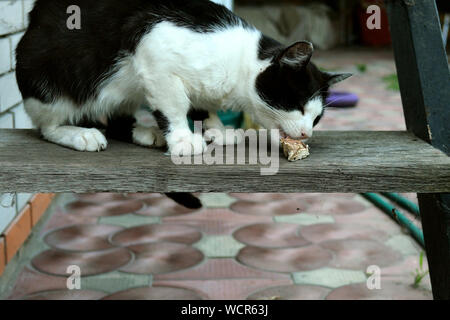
(339,162)
(424,79)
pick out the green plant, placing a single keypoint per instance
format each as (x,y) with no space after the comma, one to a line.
(420,272)
(361,67)
(392,82)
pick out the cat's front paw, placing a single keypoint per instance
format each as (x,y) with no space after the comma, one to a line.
(88,140)
(148,137)
(224,137)
(185,143)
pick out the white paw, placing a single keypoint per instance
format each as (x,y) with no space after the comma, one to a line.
(148,137)
(88,140)
(185,143)
(224,136)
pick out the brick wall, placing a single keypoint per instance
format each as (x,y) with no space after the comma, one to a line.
(13,21)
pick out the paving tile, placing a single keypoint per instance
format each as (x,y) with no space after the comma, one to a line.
(229,289)
(162,257)
(161,206)
(85,237)
(105,209)
(128,220)
(61,219)
(216,221)
(260,197)
(271,235)
(219,246)
(304,219)
(404,244)
(359,254)
(275,208)
(100,197)
(292,292)
(65,295)
(30,281)
(388,291)
(156,233)
(17,232)
(332,231)
(285,260)
(90,263)
(115,281)
(329,277)
(216,200)
(335,205)
(155,293)
(222,268)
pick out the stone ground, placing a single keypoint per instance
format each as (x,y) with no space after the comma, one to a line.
(239,246)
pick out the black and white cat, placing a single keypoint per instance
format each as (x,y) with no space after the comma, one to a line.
(174,55)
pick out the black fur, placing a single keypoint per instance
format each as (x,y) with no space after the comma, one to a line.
(72,63)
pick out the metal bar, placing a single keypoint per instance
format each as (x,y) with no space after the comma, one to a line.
(424,80)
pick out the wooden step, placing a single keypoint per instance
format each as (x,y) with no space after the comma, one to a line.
(339,162)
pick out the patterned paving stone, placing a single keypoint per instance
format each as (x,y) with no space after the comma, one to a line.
(162,257)
(403,244)
(271,235)
(359,254)
(219,246)
(65,295)
(87,237)
(128,220)
(221,268)
(162,207)
(304,219)
(285,260)
(111,208)
(100,197)
(31,281)
(155,293)
(292,292)
(335,205)
(228,289)
(155,233)
(275,208)
(330,231)
(62,219)
(216,221)
(216,200)
(112,282)
(56,262)
(388,291)
(329,277)
(260,197)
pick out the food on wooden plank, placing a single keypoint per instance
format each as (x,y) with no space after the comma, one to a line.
(294,149)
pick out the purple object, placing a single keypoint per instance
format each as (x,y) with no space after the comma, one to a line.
(338,99)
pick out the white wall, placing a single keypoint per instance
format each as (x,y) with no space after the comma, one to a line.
(13,21)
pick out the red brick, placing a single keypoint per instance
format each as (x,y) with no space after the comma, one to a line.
(39,204)
(17,232)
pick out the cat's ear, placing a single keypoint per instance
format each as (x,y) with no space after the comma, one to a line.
(297,55)
(333,78)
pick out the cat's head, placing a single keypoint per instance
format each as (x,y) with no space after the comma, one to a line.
(293,91)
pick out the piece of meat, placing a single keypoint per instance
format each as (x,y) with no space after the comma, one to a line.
(294,149)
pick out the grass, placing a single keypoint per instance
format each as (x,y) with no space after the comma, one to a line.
(420,273)
(392,82)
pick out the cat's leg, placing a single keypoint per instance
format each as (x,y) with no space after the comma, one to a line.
(147,132)
(51,120)
(219,134)
(169,99)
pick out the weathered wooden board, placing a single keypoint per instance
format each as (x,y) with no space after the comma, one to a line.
(339,162)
